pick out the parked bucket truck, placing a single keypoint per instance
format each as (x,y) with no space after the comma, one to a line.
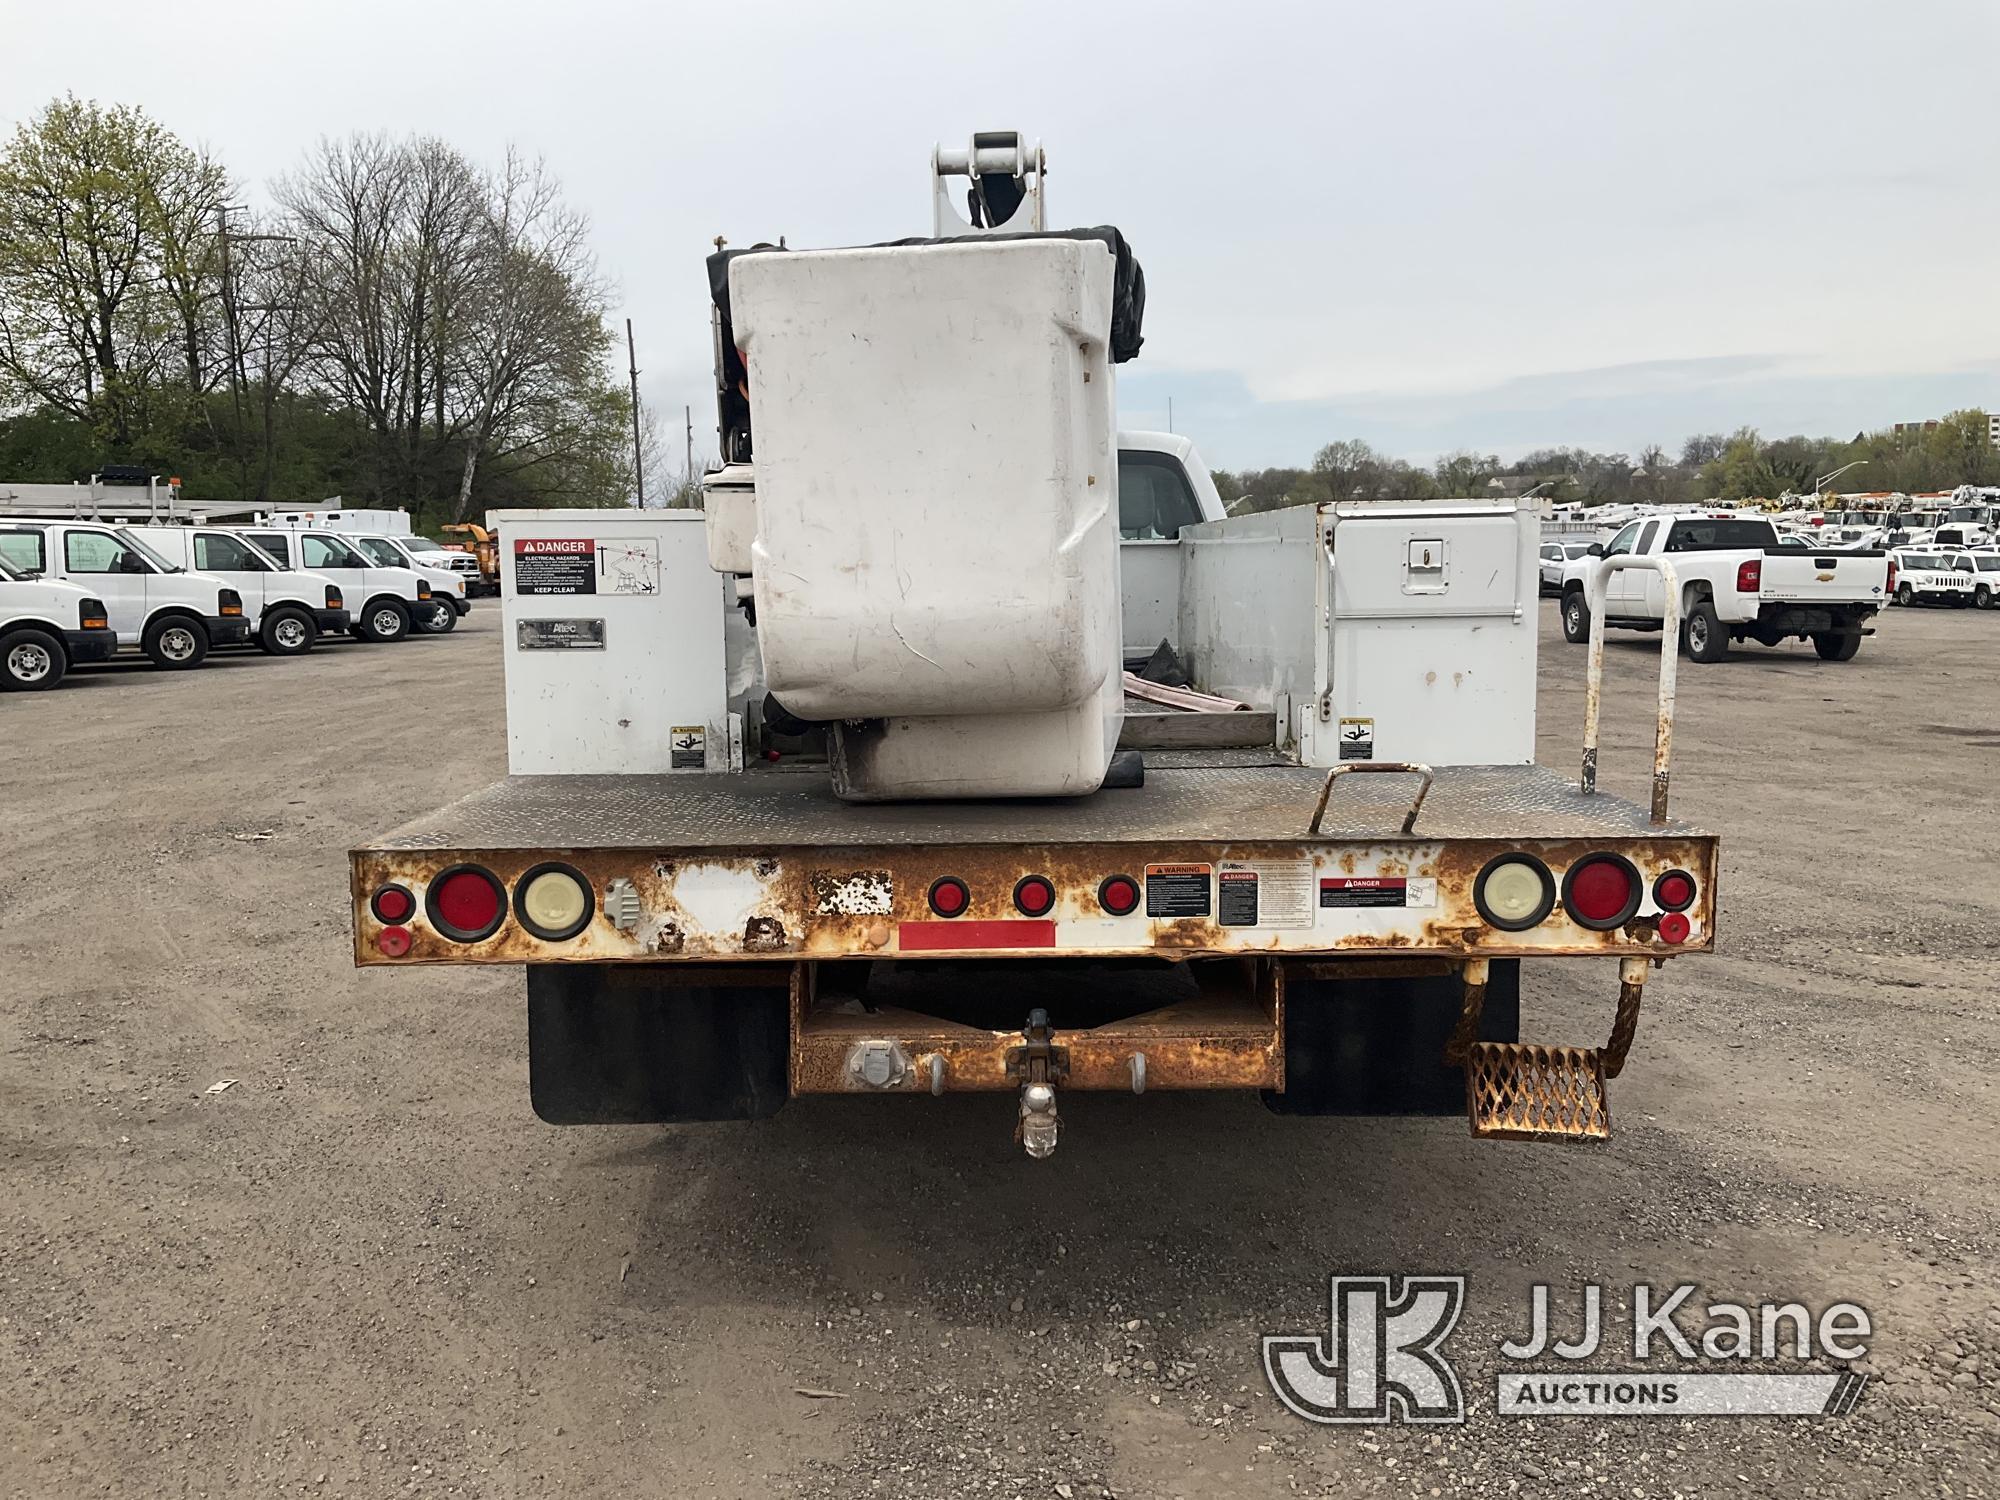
(822,790)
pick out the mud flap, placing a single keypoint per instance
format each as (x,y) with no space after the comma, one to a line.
(1376,1046)
(618,1045)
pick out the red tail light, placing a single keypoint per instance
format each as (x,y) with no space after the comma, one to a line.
(949,896)
(1601,891)
(1674,928)
(393,904)
(466,904)
(333,597)
(1890,586)
(1750,576)
(1119,895)
(1033,896)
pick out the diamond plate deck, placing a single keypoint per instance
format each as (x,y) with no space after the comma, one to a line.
(1190,797)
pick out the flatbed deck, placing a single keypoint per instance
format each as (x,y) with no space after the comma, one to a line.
(1239,797)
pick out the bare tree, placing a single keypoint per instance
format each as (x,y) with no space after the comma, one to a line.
(536,334)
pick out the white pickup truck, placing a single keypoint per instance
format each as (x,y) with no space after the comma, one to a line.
(1737,582)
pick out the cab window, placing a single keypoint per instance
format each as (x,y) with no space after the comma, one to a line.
(318,552)
(278,546)
(94,552)
(1622,543)
(24,550)
(214,552)
(382,554)
(1155,499)
(1646,536)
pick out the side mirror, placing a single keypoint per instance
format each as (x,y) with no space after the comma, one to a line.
(1595,549)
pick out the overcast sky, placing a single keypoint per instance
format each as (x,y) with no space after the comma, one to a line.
(1496,224)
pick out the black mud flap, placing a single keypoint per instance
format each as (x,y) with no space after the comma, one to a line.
(1376,1046)
(613,1045)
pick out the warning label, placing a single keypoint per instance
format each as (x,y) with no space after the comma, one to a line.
(1177,890)
(689,747)
(1357,739)
(555,565)
(1377,890)
(1264,893)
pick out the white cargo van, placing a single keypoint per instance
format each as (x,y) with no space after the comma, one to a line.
(172,614)
(384,601)
(448,599)
(45,625)
(287,610)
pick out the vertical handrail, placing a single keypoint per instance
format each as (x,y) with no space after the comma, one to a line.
(1593,687)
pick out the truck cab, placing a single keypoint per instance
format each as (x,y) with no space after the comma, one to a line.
(175,615)
(1163,486)
(385,602)
(1734,581)
(287,610)
(45,626)
(448,587)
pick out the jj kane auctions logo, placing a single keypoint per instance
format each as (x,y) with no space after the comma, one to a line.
(1382,1357)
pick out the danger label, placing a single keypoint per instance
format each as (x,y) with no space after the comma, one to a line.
(1361,890)
(555,565)
(1357,739)
(1377,890)
(1178,890)
(1264,893)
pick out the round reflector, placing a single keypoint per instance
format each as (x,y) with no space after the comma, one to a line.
(553,902)
(1119,895)
(465,903)
(949,896)
(393,942)
(1674,891)
(1674,928)
(1601,891)
(1514,892)
(1034,896)
(393,903)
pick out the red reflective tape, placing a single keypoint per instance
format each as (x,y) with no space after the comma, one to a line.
(938,937)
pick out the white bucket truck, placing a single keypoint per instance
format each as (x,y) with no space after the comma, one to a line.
(918,877)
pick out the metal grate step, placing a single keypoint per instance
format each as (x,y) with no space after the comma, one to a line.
(1515,1091)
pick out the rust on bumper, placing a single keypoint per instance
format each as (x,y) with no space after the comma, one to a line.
(798,903)
(1231,1036)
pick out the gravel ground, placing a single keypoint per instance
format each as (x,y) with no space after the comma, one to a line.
(366,1269)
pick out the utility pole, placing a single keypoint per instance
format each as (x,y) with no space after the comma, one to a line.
(229,320)
(687,413)
(1170,413)
(638,458)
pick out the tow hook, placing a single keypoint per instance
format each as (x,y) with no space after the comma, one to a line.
(1039,1063)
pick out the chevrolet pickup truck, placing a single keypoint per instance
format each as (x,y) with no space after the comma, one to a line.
(1737,583)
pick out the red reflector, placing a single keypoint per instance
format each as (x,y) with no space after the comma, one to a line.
(467,905)
(1119,895)
(934,937)
(1674,891)
(1674,928)
(1600,891)
(1033,896)
(394,904)
(393,941)
(949,896)
(1749,576)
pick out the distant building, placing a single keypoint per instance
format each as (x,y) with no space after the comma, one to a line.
(1904,431)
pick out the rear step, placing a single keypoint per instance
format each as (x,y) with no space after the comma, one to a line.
(1518,1091)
